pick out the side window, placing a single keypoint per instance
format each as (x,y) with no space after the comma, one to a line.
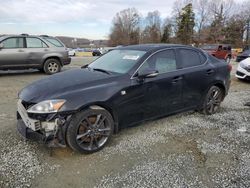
(35,43)
(190,58)
(13,43)
(54,42)
(163,62)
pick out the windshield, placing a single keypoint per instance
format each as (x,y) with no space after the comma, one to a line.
(118,61)
(209,47)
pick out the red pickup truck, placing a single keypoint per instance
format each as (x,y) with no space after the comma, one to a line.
(221,51)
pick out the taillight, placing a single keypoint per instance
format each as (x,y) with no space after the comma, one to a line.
(230,67)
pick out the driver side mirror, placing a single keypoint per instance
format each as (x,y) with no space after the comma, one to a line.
(147,73)
(1,46)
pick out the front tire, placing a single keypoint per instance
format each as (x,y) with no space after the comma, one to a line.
(90,130)
(52,66)
(212,100)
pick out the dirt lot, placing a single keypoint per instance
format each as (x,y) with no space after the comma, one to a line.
(184,150)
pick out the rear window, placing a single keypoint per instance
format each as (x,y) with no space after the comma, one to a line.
(190,58)
(54,42)
(214,59)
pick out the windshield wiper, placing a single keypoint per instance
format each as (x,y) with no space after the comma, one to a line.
(101,70)
(85,66)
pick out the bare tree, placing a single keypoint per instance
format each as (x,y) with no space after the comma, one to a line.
(178,6)
(245,15)
(221,12)
(221,8)
(152,30)
(202,16)
(167,31)
(234,30)
(126,28)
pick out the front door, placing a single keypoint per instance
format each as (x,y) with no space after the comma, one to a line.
(163,92)
(13,53)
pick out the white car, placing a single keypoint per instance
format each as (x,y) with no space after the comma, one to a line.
(243,70)
(71,52)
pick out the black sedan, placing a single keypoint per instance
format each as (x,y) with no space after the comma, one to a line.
(129,85)
(245,54)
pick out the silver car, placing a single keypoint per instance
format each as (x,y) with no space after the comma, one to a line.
(48,54)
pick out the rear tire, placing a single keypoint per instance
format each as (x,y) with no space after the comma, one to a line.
(90,130)
(52,66)
(212,100)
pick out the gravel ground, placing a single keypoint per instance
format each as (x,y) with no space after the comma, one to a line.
(184,150)
(217,145)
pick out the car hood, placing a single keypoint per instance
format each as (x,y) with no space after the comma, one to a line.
(64,83)
(245,62)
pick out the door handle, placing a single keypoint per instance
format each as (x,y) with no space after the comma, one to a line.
(46,50)
(210,71)
(176,79)
(20,50)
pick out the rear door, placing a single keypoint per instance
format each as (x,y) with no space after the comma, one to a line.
(13,53)
(197,73)
(36,49)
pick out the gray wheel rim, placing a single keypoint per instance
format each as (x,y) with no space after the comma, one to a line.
(214,101)
(93,132)
(53,67)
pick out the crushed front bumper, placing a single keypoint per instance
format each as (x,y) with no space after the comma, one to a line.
(49,131)
(29,133)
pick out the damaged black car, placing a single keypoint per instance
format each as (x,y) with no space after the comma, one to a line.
(82,108)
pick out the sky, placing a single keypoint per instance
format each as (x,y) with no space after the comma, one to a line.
(77,18)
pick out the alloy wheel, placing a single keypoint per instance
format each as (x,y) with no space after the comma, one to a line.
(93,132)
(214,100)
(53,67)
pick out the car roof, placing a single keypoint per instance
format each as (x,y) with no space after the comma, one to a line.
(151,47)
(24,35)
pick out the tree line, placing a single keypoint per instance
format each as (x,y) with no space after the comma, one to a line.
(193,22)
